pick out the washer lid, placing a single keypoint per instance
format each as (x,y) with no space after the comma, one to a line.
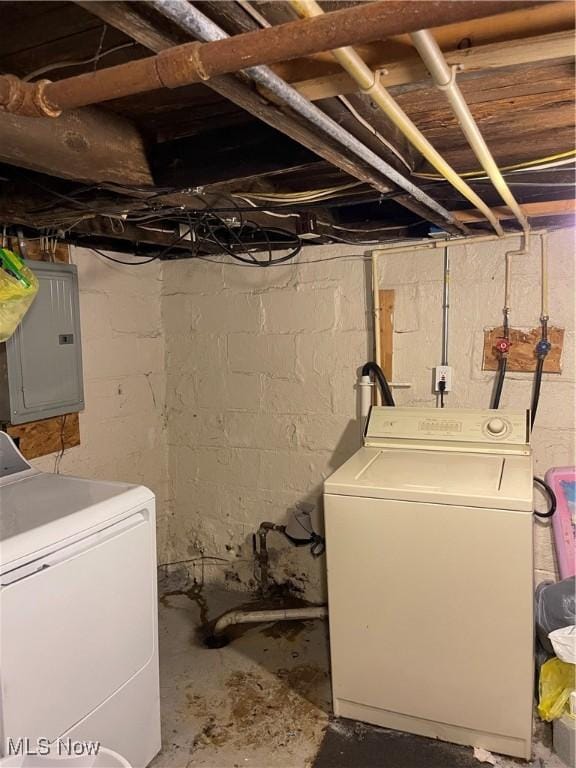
(42,510)
(451,477)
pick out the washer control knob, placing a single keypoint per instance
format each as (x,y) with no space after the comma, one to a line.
(496,427)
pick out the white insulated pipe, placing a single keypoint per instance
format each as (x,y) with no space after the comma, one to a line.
(278,614)
(445,80)
(369,83)
(544,277)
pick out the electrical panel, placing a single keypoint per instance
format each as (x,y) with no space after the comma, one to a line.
(41,364)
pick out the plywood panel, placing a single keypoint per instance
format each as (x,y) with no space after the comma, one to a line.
(522,356)
(387,331)
(38,438)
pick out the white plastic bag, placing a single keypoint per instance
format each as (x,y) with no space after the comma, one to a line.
(564,643)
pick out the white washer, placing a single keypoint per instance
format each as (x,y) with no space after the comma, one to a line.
(430,577)
(78,633)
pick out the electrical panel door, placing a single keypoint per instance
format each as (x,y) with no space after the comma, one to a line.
(42,365)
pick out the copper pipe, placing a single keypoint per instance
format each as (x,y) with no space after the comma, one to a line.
(195,62)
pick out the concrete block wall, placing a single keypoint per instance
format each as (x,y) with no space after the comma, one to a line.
(261,404)
(261,372)
(123,427)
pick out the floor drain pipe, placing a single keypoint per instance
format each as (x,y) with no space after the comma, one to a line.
(219,639)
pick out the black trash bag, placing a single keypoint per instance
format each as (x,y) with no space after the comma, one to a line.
(555,608)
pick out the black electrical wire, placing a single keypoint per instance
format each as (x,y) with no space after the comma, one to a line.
(374,368)
(502,365)
(119,261)
(551,498)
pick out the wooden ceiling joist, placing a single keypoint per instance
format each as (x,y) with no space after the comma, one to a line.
(89,145)
(548,208)
(234,88)
(556,46)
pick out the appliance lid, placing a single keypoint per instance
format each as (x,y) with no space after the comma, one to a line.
(44,509)
(463,478)
(13,466)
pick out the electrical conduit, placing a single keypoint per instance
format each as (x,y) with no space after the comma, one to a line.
(369,83)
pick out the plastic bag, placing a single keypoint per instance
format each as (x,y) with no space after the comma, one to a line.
(557,681)
(18,288)
(555,608)
(564,643)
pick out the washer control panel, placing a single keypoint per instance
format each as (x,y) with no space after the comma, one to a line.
(448,425)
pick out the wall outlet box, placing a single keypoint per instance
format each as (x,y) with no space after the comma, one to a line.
(443,373)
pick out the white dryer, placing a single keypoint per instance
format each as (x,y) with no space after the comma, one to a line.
(78,630)
(430,577)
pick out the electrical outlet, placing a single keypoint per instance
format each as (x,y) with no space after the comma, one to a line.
(443,373)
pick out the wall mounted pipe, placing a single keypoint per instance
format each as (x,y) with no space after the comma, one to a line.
(369,83)
(426,245)
(192,20)
(445,80)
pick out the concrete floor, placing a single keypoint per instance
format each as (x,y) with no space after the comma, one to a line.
(263,701)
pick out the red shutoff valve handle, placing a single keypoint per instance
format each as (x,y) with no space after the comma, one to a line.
(503,346)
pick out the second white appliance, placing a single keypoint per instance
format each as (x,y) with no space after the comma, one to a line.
(430,568)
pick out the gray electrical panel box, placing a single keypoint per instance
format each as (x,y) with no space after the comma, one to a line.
(41,364)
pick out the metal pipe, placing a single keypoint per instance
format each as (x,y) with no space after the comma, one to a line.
(370,84)
(218,637)
(445,307)
(445,80)
(192,63)
(189,18)
(377,310)
(544,277)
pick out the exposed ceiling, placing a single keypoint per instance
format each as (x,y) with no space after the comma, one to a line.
(195,147)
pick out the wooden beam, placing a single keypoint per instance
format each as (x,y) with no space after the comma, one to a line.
(237,90)
(85,145)
(387,332)
(559,45)
(532,210)
(544,19)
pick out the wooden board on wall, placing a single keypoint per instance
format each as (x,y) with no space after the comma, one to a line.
(39,438)
(387,331)
(522,355)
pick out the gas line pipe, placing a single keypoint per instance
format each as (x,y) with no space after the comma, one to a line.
(370,84)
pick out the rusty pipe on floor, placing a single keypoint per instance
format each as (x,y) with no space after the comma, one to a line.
(197,62)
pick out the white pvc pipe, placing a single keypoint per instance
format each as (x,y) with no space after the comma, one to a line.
(278,614)
(365,395)
(445,80)
(370,84)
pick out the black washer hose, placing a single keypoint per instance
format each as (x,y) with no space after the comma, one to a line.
(374,368)
(551,498)
(502,365)
(536,390)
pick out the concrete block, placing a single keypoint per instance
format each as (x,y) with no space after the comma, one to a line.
(310,395)
(259,430)
(226,312)
(292,310)
(273,354)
